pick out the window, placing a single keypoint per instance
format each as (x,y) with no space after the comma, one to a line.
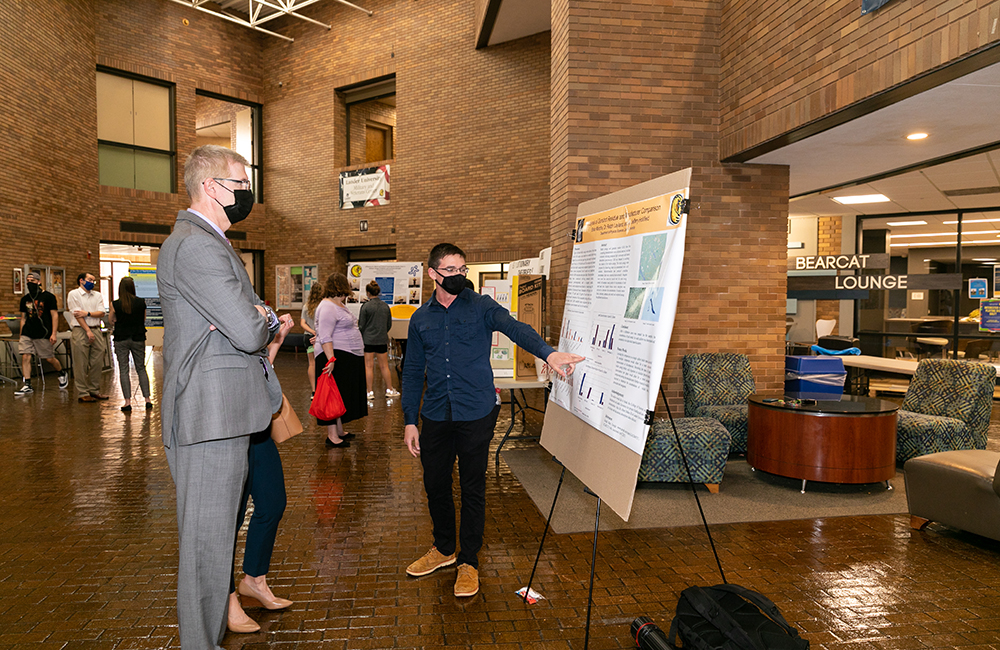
(135,144)
(370,120)
(233,124)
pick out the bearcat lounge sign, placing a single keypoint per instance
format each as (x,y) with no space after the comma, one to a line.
(865,281)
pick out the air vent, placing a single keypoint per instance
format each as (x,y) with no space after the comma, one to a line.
(973,191)
(147,228)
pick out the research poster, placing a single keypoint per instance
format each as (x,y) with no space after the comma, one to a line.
(620,306)
(400,283)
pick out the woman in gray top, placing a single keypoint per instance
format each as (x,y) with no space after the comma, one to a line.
(374,323)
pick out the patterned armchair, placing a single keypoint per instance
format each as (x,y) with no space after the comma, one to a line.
(947,407)
(717,386)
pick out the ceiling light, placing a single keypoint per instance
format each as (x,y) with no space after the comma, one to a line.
(984,259)
(927,260)
(952,223)
(945,234)
(906,223)
(862,198)
(916,136)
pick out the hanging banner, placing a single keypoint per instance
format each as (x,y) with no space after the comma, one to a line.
(363,188)
(868,6)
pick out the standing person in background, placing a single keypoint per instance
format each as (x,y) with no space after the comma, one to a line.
(342,356)
(308,323)
(374,322)
(86,308)
(39,324)
(128,317)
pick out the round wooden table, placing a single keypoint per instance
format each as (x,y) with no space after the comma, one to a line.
(844,439)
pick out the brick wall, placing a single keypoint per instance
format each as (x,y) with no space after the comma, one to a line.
(361,114)
(471,135)
(785,64)
(829,235)
(635,95)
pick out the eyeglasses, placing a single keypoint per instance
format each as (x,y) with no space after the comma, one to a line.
(451,270)
(244,185)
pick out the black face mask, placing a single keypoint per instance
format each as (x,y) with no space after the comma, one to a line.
(33,288)
(239,210)
(453,284)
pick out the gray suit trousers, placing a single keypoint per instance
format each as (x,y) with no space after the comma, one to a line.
(209,477)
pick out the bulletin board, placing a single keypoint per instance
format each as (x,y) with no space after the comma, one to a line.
(293,283)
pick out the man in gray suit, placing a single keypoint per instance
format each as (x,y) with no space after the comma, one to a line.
(216,386)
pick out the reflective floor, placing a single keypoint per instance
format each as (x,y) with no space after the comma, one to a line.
(88,551)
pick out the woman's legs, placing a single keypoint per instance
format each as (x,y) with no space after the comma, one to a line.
(138,349)
(121,353)
(334,432)
(311,370)
(370,370)
(383,366)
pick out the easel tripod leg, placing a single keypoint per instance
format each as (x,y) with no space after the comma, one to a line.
(545,532)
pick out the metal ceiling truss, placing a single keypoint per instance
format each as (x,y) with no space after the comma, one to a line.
(255,9)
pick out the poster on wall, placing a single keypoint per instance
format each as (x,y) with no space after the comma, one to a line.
(989,315)
(364,188)
(145,288)
(400,283)
(292,284)
(501,347)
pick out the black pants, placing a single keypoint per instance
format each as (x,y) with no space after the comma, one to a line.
(440,444)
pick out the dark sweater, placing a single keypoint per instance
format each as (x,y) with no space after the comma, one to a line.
(130,327)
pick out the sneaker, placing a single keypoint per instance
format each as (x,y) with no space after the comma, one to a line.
(25,389)
(430,562)
(391,392)
(467,582)
(371,394)
(63,379)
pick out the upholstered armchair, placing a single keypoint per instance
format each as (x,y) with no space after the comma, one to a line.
(717,385)
(946,408)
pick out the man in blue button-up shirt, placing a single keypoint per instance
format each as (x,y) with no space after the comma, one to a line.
(449,345)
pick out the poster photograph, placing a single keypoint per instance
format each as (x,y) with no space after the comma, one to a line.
(364,188)
(18,282)
(401,283)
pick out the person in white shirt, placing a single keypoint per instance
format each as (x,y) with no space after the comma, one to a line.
(85,311)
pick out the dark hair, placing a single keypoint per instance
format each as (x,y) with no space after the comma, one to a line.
(373,289)
(443,250)
(82,276)
(337,285)
(126,293)
(469,284)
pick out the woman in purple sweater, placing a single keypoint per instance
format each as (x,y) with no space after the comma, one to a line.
(342,356)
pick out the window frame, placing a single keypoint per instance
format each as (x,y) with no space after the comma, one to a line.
(257,121)
(172,100)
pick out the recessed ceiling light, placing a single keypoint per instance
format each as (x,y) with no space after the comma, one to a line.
(952,223)
(984,259)
(861,198)
(916,136)
(927,260)
(906,223)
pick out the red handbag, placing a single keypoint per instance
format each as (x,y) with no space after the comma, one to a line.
(327,404)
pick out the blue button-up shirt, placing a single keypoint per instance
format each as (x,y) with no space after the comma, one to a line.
(451,346)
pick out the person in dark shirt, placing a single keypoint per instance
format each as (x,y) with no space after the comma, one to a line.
(128,316)
(449,344)
(39,324)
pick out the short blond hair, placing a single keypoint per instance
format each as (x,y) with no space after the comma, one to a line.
(208,161)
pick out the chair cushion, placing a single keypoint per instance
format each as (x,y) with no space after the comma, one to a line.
(716,378)
(733,417)
(706,445)
(954,389)
(918,434)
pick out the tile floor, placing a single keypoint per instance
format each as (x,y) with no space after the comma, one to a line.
(88,552)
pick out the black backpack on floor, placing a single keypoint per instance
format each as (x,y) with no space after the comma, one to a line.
(730,617)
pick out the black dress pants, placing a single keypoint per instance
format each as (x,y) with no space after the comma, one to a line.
(440,444)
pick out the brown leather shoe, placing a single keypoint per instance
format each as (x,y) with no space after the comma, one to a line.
(100,396)
(467,582)
(86,398)
(430,562)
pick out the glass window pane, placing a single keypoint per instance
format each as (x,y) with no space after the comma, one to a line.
(152,171)
(152,115)
(244,134)
(114,108)
(116,166)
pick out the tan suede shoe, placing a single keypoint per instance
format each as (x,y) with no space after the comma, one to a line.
(430,562)
(467,582)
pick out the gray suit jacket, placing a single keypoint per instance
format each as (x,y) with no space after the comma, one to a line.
(214,386)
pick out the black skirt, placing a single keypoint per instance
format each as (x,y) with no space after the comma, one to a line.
(349,373)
